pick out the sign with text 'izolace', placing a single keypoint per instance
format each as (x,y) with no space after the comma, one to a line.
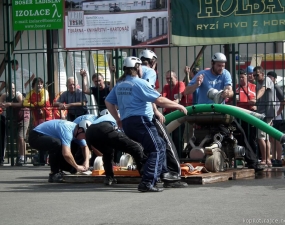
(38,14)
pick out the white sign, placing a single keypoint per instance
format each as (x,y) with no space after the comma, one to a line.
(116,30)
(101,64)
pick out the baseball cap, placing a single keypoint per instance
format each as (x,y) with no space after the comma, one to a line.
(272,74)
(249,69)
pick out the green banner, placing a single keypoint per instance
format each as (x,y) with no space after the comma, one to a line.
(204,22)
(38,14)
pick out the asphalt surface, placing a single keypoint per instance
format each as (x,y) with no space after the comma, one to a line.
(27,198)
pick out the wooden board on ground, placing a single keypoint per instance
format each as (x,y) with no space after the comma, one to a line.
(208,178)
(204,178)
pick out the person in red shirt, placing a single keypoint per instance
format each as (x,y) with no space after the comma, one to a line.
(247,92)
(174,90)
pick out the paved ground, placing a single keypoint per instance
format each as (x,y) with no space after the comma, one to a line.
(26,198)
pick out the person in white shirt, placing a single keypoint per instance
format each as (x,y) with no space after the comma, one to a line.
(21,77)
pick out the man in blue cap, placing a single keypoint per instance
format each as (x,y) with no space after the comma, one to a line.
(250,77)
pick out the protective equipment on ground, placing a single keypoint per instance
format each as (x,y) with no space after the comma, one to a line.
(148,54)
(98,163)
(126,160)
(131,61)
(219,57)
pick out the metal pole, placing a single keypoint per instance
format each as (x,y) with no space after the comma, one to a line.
(52,41)
(117,63)
(9,43)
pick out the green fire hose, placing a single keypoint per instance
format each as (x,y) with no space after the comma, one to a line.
(234,111)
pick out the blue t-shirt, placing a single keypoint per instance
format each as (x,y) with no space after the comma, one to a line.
(133,96)
(88,117)
(149,75)
(60,129)
(106,118)
(211,81)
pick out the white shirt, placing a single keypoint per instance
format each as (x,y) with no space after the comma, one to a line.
(19,78)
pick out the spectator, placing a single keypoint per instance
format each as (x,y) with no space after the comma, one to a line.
(276,147)
(2,86)
(249,71)
(18,118)
(219,78)
(174,90)
(245,92)
(99,91)
(21,77)
(72,100)
(265,104)
(172,158)
(2,136)
(38,100)
(105,136)
(2,129)
(189,99)
(56,136)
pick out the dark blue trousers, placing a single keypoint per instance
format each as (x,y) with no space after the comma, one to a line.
(141,130)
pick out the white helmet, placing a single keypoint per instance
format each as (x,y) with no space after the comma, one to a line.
(148,54)
(219,57)
(84,124)
(104,112)
(131,61)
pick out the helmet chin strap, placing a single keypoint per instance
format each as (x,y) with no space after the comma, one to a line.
(77,133)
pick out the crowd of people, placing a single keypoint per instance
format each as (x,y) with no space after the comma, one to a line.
(130,118)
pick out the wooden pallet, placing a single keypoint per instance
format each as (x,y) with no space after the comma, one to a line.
(231,174)
(204,178)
